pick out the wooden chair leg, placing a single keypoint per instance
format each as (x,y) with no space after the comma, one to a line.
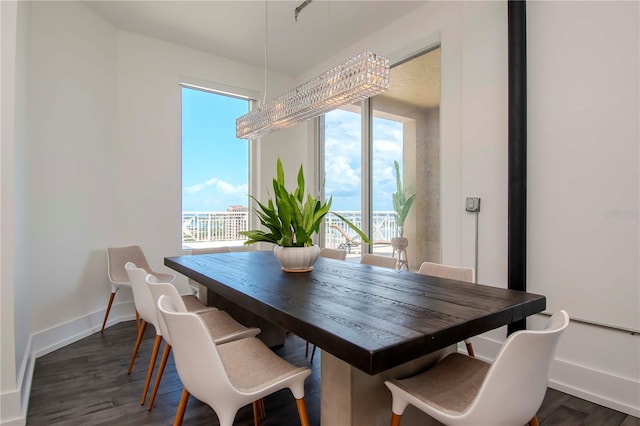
(313,352)
(163,363)
(141,330)
(256,413)
(138,324)
(106,314)
(263,412)
(306,350)
(182,406)
(395,419)
(534,421)
(302,412)
(470,349)
(152,363)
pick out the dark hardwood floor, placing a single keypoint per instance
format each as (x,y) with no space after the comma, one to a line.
(86,383)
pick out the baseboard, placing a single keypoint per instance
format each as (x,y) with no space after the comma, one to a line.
(615,392)
(16,403)
(10,412)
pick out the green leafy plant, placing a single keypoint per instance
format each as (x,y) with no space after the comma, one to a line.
(290,219)
(401,204)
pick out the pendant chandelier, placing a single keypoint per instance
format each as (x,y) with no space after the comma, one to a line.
(363,76)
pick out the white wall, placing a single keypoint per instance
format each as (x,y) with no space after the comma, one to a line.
(149,131)
(72,112)
(99,167)
(9,397)
(584,189)
(586,194)
(474,162)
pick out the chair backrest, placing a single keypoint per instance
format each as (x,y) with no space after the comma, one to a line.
(158,289)
(142,295)
(458,273)
(377,260)
(209,250)
(117,257)
(196,356)
(333,253)
(519,375)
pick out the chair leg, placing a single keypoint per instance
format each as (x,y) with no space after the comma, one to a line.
(470,349)
(182,406)
(302,412)
(163,363)
(534,421)
(256,413)
(141,330)
(306,350)
(395,419)
(263,412)
(106,314)
(313,352)
(137,320)
(152,363)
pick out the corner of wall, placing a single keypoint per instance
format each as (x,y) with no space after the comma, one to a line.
(15,403)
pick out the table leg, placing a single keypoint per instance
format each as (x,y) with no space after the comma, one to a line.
(350,397)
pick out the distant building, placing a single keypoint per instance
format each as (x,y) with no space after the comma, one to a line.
(235,222)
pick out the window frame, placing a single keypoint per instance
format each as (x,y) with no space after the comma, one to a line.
(254,148)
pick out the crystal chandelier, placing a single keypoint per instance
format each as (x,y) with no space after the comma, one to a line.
(363,76)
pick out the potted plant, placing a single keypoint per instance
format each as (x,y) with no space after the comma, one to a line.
(401,206)
(291,221)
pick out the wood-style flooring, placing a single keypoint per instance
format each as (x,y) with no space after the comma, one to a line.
(86,383)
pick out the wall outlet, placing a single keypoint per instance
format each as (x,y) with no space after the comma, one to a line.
(473,204)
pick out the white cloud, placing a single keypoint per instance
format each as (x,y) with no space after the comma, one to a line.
(220,185)
(227,188)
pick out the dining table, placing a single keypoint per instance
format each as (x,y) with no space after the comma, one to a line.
(371,323)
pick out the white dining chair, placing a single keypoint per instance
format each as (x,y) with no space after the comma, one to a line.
(458,273)
(117,257)
(378,260)
(461,390)
(145,305)
(222,327)
(333,253)
(229,376)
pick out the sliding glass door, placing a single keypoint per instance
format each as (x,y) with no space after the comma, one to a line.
(381,165)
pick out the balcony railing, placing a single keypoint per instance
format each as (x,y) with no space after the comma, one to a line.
(212,227)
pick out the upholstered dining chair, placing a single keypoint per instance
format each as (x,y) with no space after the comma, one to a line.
(117,257)
(333,253)
(200,289)
(222,327)
(378,260)
(458,273)
(461,390)
(145,306)
(229,376)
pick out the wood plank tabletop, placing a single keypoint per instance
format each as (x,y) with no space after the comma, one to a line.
(370,317)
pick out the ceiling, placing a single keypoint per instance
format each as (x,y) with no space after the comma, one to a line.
(236,29)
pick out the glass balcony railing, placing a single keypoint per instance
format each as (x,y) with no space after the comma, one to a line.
(223,228)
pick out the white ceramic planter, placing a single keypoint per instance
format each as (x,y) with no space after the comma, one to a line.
(297,259)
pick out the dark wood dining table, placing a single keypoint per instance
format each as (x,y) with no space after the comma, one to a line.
(371,323)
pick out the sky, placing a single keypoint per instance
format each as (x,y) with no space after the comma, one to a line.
(343,160)
(215,163)
(215,171)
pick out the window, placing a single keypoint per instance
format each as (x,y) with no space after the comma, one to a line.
(402,125)
(215,169)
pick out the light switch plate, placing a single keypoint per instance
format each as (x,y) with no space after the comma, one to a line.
(473,204)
